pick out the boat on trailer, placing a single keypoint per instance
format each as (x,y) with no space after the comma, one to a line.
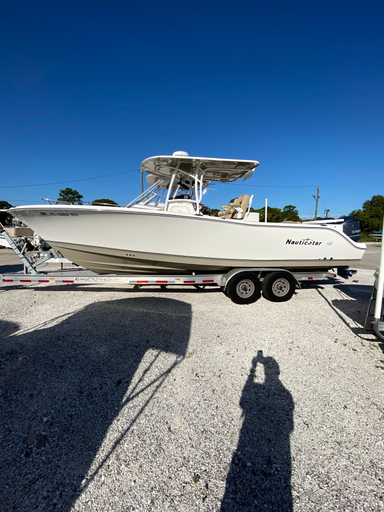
(165,231)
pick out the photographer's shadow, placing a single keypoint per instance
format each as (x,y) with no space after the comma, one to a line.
(260,474)
(64,383)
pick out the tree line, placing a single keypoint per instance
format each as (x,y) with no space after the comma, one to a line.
(72,196)
(371,214)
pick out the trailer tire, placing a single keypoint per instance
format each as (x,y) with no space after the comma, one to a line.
(278,286)
(244,288)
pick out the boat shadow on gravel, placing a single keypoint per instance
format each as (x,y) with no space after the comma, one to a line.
(260,474)
(64,383)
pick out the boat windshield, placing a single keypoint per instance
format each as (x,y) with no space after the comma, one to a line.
(154,196)
(181,186)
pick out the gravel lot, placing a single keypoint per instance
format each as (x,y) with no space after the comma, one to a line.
(120,400)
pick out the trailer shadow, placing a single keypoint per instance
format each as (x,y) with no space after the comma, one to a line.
(11,269)
(64,383)
(260,474)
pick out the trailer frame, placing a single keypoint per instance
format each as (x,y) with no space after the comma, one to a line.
(243,295)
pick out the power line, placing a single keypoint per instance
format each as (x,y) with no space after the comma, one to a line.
(68,181)
(276,186)
(138,170)
(324,204)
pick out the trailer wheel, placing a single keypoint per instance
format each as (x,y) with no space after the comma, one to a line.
(278,286)
(244,288)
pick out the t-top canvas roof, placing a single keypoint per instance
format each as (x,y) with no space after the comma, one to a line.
(215,169)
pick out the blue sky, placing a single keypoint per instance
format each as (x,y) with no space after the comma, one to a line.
(92,88)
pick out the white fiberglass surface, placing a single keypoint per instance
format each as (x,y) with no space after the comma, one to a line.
(214,169)
(194,236)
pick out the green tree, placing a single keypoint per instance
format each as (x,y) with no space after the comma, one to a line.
(5,218)
(273,214)
(205,210)
(104,201)
(4,205)
(70,195)
(290,213)
(371,214)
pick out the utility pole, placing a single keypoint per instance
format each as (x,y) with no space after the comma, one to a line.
(317,197)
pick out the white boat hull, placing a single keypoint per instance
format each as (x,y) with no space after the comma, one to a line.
(123,240)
